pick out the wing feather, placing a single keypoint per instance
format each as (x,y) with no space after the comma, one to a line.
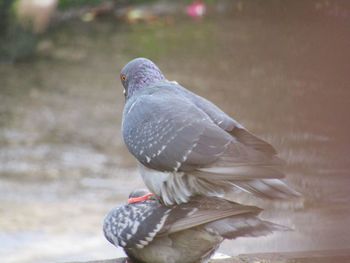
(135,225)
(171,137)
(202,210)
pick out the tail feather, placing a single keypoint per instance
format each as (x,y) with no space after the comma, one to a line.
(238,173)
(264,182)
(179,187)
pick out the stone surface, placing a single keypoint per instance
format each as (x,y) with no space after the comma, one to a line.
(326,256)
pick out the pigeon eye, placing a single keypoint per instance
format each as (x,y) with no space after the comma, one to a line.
(123,77)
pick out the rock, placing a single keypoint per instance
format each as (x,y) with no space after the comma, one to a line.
(324,256)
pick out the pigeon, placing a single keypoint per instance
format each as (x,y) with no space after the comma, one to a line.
(150,232)
(186,146)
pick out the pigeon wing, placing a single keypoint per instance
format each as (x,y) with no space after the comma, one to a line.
(226,122)
(202,210)
(135,225)
(168,132)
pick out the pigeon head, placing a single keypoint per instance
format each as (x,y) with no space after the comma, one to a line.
(139,73)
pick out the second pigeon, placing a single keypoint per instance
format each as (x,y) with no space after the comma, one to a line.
(186,145)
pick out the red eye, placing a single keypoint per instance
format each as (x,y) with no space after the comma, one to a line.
(123,77)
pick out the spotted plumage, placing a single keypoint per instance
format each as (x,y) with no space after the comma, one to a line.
(151,232)
(186,145)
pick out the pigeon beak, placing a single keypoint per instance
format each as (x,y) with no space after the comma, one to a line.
(124,92)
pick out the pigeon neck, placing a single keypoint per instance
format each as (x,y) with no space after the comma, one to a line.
(143,81)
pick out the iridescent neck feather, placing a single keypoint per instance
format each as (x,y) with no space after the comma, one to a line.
(142,76)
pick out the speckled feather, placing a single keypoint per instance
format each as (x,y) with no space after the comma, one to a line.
(170,136)
(135,225)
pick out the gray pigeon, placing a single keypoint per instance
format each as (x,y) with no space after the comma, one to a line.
(187,146)
(150,232)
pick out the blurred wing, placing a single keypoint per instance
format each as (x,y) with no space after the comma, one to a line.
(202,210)
(249,139)
(247,225)
(135,225)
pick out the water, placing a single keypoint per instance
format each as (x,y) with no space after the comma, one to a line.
(282,71)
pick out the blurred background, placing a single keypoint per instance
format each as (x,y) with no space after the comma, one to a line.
(281,68)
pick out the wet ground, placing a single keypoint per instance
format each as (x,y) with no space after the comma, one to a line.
(282,71)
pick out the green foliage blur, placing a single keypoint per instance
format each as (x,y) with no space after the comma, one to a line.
(18,43)
(67,4)
(5,6)
(15,41)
